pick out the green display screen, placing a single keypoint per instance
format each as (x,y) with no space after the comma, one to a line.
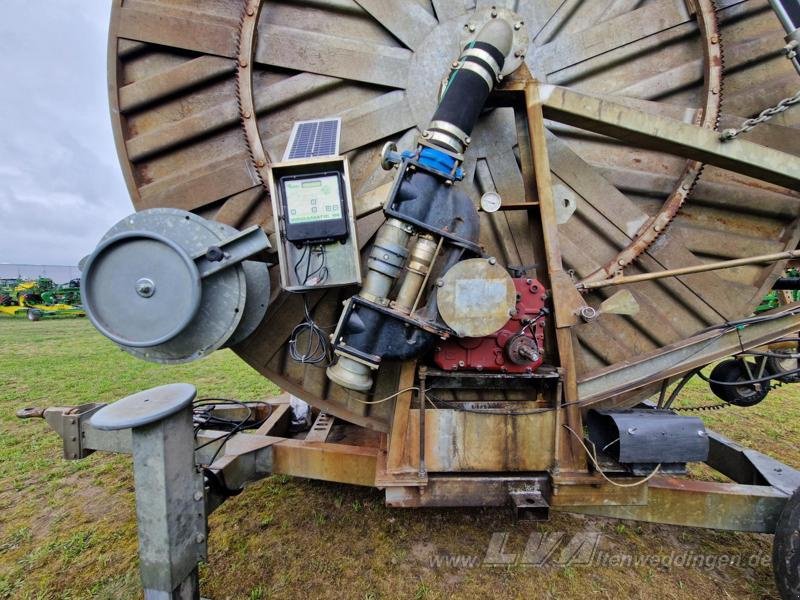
(310,200)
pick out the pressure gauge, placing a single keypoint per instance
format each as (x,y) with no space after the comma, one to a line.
(491,202)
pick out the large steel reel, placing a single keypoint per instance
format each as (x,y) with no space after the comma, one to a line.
(204,94)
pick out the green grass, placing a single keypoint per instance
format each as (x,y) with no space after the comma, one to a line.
(67,528)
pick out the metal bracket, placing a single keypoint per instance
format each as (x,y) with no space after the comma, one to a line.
(529,504)
(232,251)
(68,422)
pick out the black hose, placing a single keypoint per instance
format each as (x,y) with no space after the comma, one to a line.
(467,91)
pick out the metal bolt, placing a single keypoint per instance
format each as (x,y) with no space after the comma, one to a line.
(468,141)
(461,363)
(494,14)
(448,182)
(471,27)
(260,163)
(250,11)
(199,538)
(518,25)
(145,287)
(455,64)
(198,496)
(520,53)
(492,260)
(439,283)
(242,63)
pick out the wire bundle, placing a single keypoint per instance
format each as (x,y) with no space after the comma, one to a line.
(318,346)
(203,417)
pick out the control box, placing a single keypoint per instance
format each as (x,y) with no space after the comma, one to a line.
(315,225)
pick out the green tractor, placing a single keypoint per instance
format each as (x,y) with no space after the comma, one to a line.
(7,294)
(40,298)
(63,293)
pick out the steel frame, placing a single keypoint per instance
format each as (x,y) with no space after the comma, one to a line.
(398,460)
(560,479)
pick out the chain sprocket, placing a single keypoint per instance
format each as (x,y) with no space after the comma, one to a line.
(708,117)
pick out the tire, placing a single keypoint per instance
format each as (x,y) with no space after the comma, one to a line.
(34,314)
(738,395)
(786,550)
(777,366)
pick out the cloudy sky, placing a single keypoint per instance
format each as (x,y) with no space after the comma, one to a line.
(60,185)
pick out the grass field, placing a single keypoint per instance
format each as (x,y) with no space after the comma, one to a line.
(67,529)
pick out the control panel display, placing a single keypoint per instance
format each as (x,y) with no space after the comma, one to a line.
(313,199)
(314,207)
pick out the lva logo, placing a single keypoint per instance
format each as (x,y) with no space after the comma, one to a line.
(542,548)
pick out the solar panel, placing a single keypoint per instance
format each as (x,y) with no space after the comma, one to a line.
(319,137)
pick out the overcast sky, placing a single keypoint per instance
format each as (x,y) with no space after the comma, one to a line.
(60,184)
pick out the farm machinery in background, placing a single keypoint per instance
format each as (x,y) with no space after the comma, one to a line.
(561,208)
(40,298)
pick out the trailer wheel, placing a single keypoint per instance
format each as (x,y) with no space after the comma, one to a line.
(778,365)
(786,550)
(34,315)
(731,371)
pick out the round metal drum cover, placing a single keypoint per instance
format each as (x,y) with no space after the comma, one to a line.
(258,288)
(476,298)
(255,307)
(113,302)
(223,293)
(204,95)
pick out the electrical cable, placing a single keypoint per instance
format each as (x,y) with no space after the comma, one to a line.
(593,458)
(408,389)
(318,349)
(673,396)
(318,273)
(201,418)
(751,320)
(747,381)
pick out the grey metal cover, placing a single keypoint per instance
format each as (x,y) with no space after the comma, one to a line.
(143,408)
(648,436)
